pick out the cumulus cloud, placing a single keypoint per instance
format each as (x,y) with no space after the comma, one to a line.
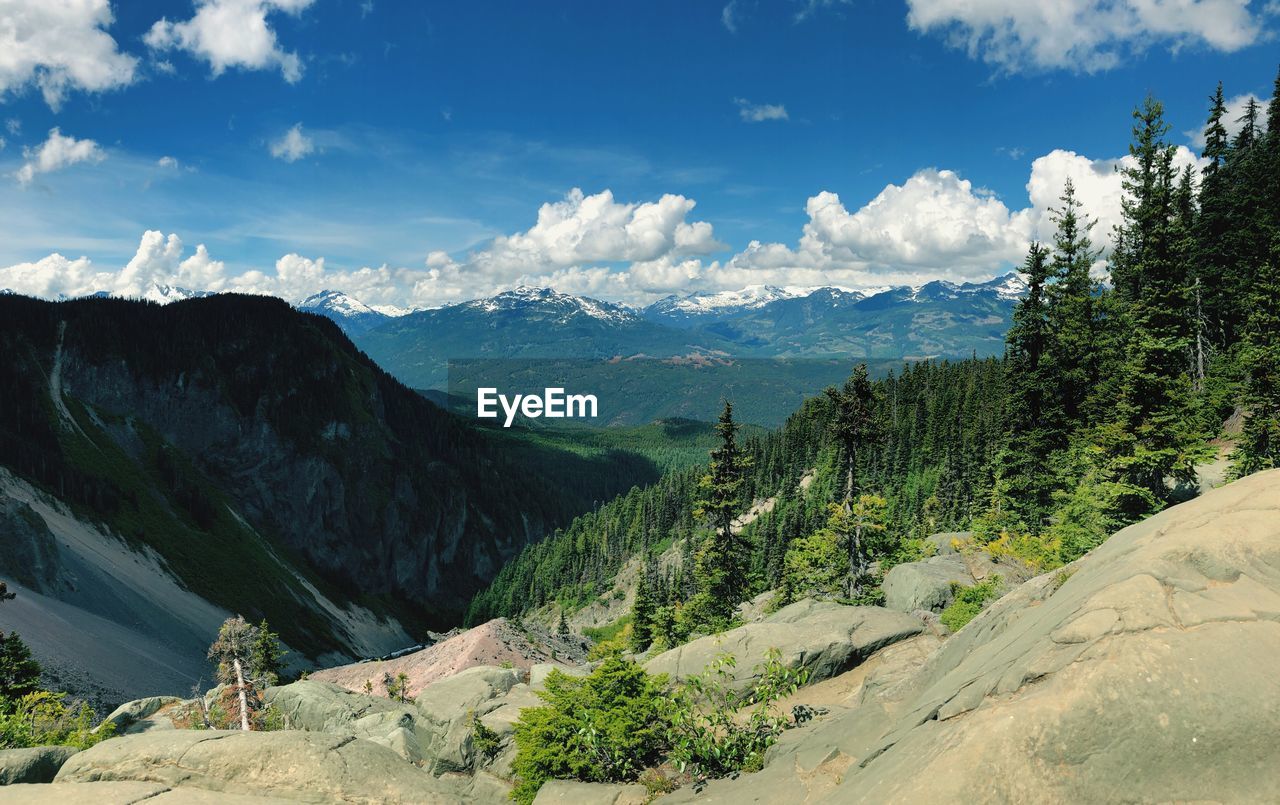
(58,46)
(935,224)
(55,153)
(232,34)
(760,112)
(1082,35)
(292,145)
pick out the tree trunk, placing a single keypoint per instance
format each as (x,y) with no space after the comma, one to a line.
(244,699)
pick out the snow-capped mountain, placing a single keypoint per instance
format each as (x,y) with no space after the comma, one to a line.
(708,305)
(548,301)
(349,313)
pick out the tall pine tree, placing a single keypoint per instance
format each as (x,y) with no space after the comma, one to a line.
(724,558)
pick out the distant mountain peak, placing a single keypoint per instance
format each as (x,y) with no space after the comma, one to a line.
(528,298)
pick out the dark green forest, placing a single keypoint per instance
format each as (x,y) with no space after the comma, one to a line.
(1115,385)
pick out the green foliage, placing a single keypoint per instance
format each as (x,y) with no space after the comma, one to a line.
(718,729)
(484,741)
(397,687)
(1259,447)
(42,718)
(19,672)
(266,656)
(969,602)
(605,727)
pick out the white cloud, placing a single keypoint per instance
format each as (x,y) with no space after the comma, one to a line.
(232,34)
(292,145)
(58,46)
(936,224)
(168,163)
(811,7)
(729,16)
(760,112)
(56,153)
(1082,35)
(1231,120)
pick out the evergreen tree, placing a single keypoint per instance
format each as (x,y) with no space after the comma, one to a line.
(853,425)
(1024,484)
(1073,337)
(562,626)
(722,562)
(1259,446)
(1153,437)
(19,672)
(643,610)
(1214,261)
(231,651)
(266,658)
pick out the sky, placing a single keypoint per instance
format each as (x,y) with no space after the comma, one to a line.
(417,153)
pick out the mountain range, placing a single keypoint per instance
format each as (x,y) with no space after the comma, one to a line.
(938,319)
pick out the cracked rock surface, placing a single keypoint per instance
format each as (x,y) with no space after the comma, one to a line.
(1145,671)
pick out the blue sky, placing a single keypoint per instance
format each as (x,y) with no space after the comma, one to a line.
(432,129)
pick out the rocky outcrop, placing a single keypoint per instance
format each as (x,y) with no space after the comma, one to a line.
(928,585)
(39,764)
(566,792)
(1145,671)
(497,643)
(823,637)
(127,715)
(289,765)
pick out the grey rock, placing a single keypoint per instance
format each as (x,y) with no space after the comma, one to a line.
(129,713)
(447,707)
(326,707)
(924,585)
(824,637)
(538,673)
(1143,672)
(944,543)
(289,764)
(567,792)
(38,764)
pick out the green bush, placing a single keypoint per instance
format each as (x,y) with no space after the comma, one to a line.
(969,602)
(43,719)
(605,727)
(484,740)
(709,734)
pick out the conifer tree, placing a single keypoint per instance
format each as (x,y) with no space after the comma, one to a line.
(643,610)
(562,625)
(231,651)
(266,658)
(853,425)
(1024,484)
(722,563)
(1259,446)
(1073,337)
(1153,438)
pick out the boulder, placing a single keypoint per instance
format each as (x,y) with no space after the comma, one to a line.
(38,764)
(947,543)
(569,792)
(287,764)
(326,707)
(539,672)
(502,719)
(1143,672)
(924,585)
(824,637)
(446,708)
(129,713)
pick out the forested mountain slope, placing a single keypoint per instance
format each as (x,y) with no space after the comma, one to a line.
(267,465)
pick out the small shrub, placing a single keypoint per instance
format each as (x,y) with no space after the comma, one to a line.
(42,718)
(605,727)
(657,783)
(710,736)
(969,602)
(484,740)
